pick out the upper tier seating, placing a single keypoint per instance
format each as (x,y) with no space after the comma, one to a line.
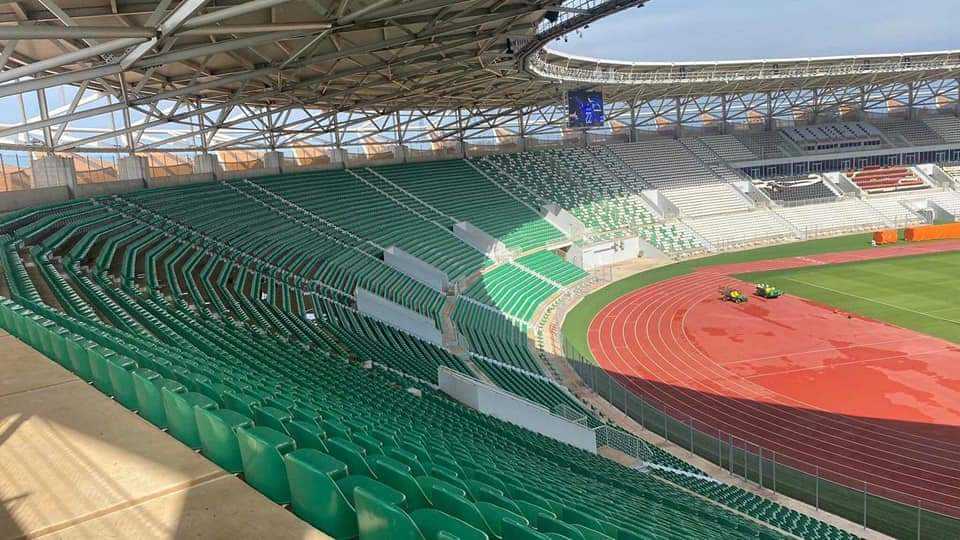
(909,132)
(728,147)
(886,179)
(742,229)
(461,192)
(835,137)
(573,179)
(707,199)
(764,144)
(361,201)
(261,225)
(833,217)
(795,188)
(664,163)
(947,127)
(593,185)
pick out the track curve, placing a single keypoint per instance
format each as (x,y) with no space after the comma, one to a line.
(795,378)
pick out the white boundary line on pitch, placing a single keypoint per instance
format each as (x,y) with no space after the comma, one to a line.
(865,299)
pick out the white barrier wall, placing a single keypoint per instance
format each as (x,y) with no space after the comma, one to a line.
(607,252)
(416,268)
(563,220)
(481,241)
(510,408)
(398,316)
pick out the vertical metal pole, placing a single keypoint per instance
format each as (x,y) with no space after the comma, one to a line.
(774,472)
(731,456)
(817,489)
(864,504)
(719,449)
(760,464)
(643,422)
(919,517)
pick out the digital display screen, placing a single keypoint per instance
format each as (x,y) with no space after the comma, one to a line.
(585,108)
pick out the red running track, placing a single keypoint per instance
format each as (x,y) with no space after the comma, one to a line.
(862,401)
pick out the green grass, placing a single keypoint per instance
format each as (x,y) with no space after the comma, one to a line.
(918,292)
(578,319)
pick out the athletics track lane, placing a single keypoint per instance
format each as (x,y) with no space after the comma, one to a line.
(862,400)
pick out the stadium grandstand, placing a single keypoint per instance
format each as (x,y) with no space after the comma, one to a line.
(303,268)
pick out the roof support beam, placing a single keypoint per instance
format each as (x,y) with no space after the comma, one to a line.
(68,58)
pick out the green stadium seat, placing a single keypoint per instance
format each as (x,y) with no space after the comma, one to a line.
(181,419)
(217,429)
(121,380)
(378,520)
(262,450)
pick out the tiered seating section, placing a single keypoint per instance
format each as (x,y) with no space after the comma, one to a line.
(575,180)
(814,220)
(763,145)
(707,199)
(463,193)
(789,189)
(907,132)
(665,163)
(946,127)
(742,229)
(205,334)
(595,186)
(843,136)
(886,179)
(729,147)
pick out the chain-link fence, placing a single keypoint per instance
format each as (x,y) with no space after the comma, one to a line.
(877,507)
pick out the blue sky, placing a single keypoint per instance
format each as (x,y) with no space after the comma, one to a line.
(737,29)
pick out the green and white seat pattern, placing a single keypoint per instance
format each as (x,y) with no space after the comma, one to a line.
(464,194)
(277,397)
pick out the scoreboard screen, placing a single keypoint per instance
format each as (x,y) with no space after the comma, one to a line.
(585,108)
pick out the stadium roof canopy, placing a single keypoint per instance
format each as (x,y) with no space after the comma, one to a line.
(214,74)
(683,79)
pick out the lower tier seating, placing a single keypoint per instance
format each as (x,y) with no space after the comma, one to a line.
(551,266)
(833,217)
(742,229)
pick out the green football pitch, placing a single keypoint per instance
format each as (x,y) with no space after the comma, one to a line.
(920,292)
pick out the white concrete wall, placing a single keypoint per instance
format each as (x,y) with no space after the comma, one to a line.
(398,316)
(24,198)
(133,168)
(607,252)
(481,241)
(563,220)
(51,170)
(416,268)
(510,408)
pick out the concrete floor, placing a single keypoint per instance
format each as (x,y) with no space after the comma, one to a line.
(74,464)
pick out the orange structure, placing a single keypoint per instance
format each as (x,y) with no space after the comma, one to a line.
(887,236)
(932,232)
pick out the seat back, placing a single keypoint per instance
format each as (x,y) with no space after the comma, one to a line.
(314,494)
(377,520)
(262,450)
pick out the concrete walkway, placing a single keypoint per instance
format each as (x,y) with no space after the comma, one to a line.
(74,464)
